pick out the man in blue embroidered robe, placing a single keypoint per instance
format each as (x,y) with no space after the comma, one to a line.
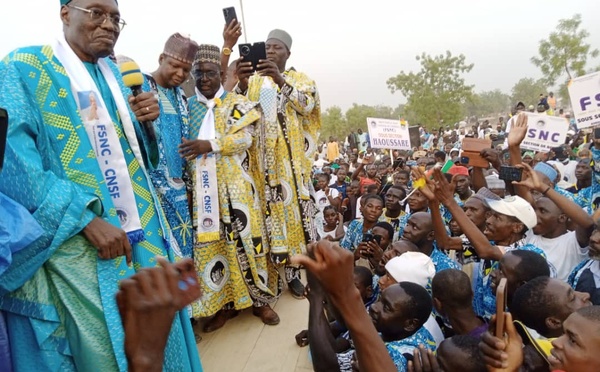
(75,162)
(175,64)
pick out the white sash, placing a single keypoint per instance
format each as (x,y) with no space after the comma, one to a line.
(103,135)
(207,188)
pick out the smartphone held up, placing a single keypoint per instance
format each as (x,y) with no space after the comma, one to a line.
(253,53)
(229,14)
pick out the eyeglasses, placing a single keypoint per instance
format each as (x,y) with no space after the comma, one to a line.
(199,75)
(98,17)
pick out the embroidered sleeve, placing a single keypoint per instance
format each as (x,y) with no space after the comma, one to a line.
(300,95)
(239,137)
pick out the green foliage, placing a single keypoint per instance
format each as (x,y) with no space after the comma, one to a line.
(437,92)
(357,115)
(564,54)
(565,51)
(339,125)
(333,123)
(488,103)
(527,90)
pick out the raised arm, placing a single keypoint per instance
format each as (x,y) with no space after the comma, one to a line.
(517,133)
(441,236)
(480,242)
(231,33)
(356,173)
(584,224)
(319,332)
(334,268)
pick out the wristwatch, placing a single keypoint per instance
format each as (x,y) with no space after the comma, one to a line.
(226,51)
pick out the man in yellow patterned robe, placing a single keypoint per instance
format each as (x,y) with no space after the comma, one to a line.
(285,144)
(231,251)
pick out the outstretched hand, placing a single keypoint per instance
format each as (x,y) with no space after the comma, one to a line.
(147,304)
(331,265)
(530,179)
(444,190)
(429,189)
(518,130)
(231,33)
(492,156)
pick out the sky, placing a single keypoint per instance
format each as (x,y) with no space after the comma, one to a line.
(349,50)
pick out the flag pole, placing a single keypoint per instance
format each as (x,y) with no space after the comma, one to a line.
(244,22)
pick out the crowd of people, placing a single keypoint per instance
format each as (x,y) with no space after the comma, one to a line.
(428,217)
(134,213)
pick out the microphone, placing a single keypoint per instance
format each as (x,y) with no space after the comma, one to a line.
(133,78)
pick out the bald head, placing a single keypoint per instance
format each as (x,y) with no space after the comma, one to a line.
(424,219)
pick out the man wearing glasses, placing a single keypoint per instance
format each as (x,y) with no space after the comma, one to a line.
(231,253)
(73,160)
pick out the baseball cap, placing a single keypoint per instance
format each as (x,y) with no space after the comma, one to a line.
(517,207)
(541,346)
(414,267)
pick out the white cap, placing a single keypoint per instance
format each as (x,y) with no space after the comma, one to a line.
(414,267)
(515,206)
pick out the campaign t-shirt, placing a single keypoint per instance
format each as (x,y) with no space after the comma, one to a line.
(323,200)
(563,253)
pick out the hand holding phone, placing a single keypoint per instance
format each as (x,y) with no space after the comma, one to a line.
(253,53)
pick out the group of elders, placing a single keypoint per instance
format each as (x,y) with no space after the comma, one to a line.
(227,181)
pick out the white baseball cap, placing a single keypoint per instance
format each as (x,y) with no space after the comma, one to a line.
(515,206)
(414,267)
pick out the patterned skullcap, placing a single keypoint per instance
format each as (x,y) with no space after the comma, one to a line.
(485,194)
(282,36)
(208,53)
(181,48)
(547,170)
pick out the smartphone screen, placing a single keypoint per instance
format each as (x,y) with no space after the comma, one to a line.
(259,50)
(508,173)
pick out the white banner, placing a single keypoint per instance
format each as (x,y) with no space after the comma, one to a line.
(544,132)
(388,134)
(585,99)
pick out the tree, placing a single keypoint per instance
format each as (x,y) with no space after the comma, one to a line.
(488,103)
(437,92)
(565,51)
(527,90)
(563,56)
(333,123)
(357,115)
